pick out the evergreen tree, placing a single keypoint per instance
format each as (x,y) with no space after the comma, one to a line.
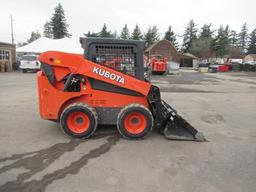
(151,35)
(243,36)
(252,43)
(233,39)
(227,32)
(234,51)
(136,35)
(170,36)
(201,47)
(48,30)
(221,43)
(189,36)
(34,36)
(59,23)
(227,36)
(104,32)
(91,34)
(125,33)
(206,32)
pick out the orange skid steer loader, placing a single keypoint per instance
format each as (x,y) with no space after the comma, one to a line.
(82,92)
(158,64)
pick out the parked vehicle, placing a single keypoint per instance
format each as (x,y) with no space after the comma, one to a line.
(29,63)
(158,64)
(203,67)
(213,68)
(250,66)
(223,68)
(235,66)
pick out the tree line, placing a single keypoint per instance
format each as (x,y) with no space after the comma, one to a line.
(206,42)
(203,42)
(150,36)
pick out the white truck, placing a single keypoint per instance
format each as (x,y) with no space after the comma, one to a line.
(29,63)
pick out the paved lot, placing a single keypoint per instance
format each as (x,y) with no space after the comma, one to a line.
(36,156)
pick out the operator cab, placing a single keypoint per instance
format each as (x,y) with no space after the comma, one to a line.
(125,56)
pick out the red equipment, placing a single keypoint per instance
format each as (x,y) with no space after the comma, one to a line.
(82,93)
(223,68)
(158,64)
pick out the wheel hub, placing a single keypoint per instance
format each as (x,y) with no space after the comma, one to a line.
(78,122)
(135,122)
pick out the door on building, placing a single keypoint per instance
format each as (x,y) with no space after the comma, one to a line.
(184,62)
(5,55)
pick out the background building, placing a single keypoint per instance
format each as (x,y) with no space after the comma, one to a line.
(166,49)
(8,53)
(250,57)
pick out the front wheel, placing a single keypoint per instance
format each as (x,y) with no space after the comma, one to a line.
(79,120)
(134,121)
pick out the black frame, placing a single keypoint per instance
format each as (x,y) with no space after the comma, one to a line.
(135,48)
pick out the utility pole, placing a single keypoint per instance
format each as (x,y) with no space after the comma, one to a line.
(12,30)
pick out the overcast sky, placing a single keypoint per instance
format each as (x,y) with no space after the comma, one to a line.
(84,15)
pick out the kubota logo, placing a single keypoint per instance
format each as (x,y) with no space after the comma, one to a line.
(108,75)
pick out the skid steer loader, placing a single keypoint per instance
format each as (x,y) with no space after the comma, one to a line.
(158,64)
(106,86)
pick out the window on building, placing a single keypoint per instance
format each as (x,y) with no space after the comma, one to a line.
(4,55)
(7,55)
(1,55)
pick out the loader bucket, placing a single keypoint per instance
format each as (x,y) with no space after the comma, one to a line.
(179,129)
(176,128)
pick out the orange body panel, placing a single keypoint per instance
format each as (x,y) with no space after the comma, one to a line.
(77,64)
(52,100)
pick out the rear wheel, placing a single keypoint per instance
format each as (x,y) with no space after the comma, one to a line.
(24,70)
(79,120)
(134,121)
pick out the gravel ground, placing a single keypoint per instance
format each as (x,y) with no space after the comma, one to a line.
(36,156)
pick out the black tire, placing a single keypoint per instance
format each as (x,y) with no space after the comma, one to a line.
(82,109)
(24,70)
(128,111)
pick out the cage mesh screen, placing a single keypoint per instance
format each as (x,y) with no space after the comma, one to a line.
(121,58)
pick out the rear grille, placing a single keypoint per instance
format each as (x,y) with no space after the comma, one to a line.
(121,58)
